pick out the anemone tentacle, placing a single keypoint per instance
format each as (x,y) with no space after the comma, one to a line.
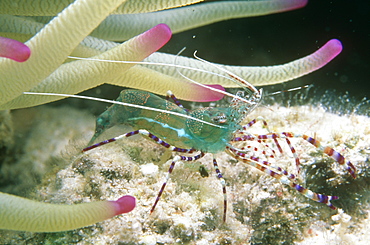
(21,214)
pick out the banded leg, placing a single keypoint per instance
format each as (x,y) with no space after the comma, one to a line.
(265,125)
(265,163)
(329,151)
(175,100)
(142,132)
(223,183)
(326,149)
(250,149)
(161,142)
(260,165)
(174,161)
(254,121)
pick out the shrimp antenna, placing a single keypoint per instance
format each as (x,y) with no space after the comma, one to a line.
(125,104)
(289,90)
(236,79)
(232,77)
(151,63)
(208,87)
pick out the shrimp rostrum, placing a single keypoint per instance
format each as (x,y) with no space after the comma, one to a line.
(207,130)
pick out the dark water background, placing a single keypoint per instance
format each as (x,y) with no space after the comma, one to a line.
(279,38)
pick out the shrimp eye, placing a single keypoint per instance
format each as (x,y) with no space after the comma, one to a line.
(221,119)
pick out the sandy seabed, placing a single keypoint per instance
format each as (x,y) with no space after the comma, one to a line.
(42,161)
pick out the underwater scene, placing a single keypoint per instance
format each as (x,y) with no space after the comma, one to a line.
(113,133)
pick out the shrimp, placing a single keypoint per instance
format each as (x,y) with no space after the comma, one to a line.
(209,130)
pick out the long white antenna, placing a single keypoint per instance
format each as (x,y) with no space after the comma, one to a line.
(150,63)
(125,104)
(232,77)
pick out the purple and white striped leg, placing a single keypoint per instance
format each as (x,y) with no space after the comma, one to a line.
(265,125)
(161,142)
(223,183)
(274,137)
(142,132)
(330,152)
(175,100)
(283,177)
(174,161)
(285,135)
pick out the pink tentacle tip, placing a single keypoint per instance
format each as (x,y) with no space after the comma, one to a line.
(335,46)
(300,3)
(214,96)
(331,49)
(293,4)
(206,95)
(164,28)
(156,37)
(216,86)
(124,204)
(14,50)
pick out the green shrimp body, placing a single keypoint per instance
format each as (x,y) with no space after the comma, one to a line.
(179,131)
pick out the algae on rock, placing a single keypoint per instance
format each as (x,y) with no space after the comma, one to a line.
(261,210)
